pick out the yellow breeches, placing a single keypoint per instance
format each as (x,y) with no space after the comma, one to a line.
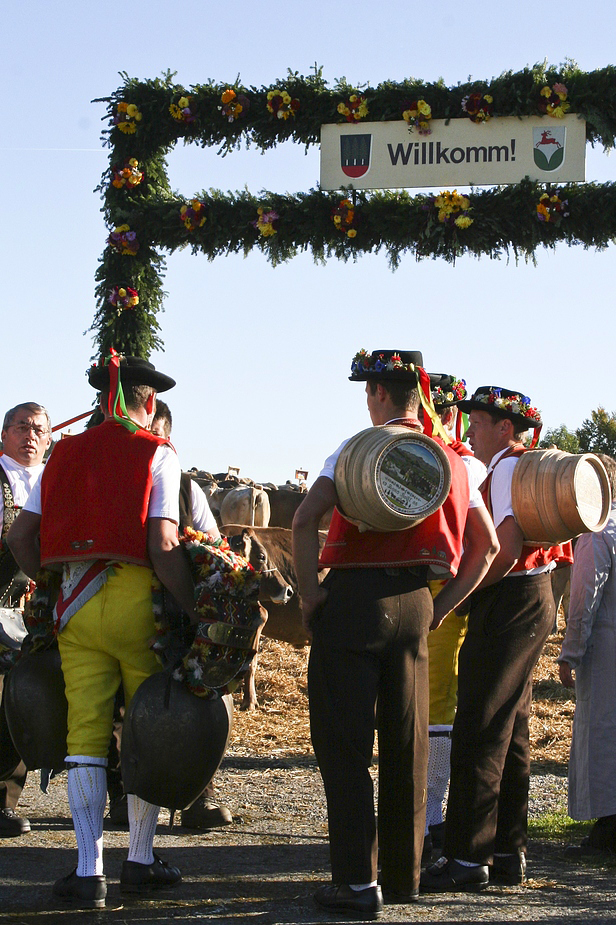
(103,644)
(444,647)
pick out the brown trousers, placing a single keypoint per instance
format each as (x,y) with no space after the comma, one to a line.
(12,769)
(369,667)
(487,807)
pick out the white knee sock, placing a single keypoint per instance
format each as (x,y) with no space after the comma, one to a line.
(142,819)
(87,794)
(438,776)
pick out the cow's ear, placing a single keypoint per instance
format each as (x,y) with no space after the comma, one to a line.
(246,543)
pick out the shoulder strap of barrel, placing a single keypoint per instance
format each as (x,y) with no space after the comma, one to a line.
(186,519)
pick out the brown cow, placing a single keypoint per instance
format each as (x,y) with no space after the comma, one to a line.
(283,623)
(283,505)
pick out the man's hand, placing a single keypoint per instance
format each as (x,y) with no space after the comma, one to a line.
(566,674)
(310,605)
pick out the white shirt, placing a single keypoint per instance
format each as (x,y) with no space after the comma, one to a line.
(22,480)
(164,499)
(202,516)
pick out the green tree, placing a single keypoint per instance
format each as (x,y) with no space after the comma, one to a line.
(565,439)
(598,435)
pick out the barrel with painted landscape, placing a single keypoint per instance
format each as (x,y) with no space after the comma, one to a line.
(391,478)
(557,496)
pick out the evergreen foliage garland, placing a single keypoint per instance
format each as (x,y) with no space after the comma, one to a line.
(147,118)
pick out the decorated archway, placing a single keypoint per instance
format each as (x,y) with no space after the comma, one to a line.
(147,118)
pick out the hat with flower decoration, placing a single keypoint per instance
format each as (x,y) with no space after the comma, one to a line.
(513,405)
(448,391)
(389,366)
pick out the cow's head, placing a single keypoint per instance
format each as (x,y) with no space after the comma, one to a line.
(273,587)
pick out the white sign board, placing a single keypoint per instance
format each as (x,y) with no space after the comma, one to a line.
(385,155)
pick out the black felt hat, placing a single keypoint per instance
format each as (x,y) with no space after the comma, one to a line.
(513,405)
(133,370)
(447,391)
(388,366)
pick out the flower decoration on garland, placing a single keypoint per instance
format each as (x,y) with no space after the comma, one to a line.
(193,215)
(181,110)
(123,297)
(514,404)
(552,209)
(267,222)
(452,209)
(553,101)
(233,104)
(126,117)
(345,218)
(418,115)
(479,107)
(354,109)
(280,104)
(129,175)
(124,240)
(367,362)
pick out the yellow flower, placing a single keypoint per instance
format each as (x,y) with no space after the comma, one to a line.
(285,97)
(423,107)
(558,112)
(138,116)
(423,126)
(337,219)
(463,221)
(131,110)
(351,233)
(133,162)
(542,210)
(271,94)
(488,98)
(228,95)
(175,111)
(363,110)
(463,203)
(183,210)
(546,92)
(183,102)
(121,292)
(353,98)
(342,109)
(122,228)
(122,107)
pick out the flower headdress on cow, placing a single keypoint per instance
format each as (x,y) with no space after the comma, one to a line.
(135,370)
(401,366)
(507,404)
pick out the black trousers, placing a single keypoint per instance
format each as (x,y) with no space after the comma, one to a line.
(369,668)
(13,771)
(487,808)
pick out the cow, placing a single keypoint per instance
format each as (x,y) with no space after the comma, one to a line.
(283,505)
(283,623)
(248,504)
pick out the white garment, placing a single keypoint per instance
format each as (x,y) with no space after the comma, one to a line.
(164,498)
(22,480)
(590,648)
(202,516)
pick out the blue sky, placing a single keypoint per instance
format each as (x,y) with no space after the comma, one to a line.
(262,355)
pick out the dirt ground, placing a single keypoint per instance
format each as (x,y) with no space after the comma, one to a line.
(267,864)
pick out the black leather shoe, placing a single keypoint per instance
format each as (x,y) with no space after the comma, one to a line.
(12,825)
(81,892)
(143,878)
(447,876)
(509,869)
(203,814)
(363,904)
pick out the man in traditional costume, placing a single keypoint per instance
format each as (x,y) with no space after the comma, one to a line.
(106,512)
(445,642)
(589,650)
(26,437)
(511,616)
(369,622)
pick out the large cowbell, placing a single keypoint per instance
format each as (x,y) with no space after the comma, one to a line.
(173,741)
(37,709)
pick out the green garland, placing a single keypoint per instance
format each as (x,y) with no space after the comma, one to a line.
(504,220)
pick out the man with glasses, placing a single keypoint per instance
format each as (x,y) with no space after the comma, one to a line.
(26,436)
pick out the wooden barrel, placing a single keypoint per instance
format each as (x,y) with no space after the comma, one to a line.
(391,478)
(556,495)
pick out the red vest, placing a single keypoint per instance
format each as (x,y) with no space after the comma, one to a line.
(95,491)
(531,556)
(435,541)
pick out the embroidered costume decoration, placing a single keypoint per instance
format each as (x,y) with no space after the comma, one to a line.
(226,590)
